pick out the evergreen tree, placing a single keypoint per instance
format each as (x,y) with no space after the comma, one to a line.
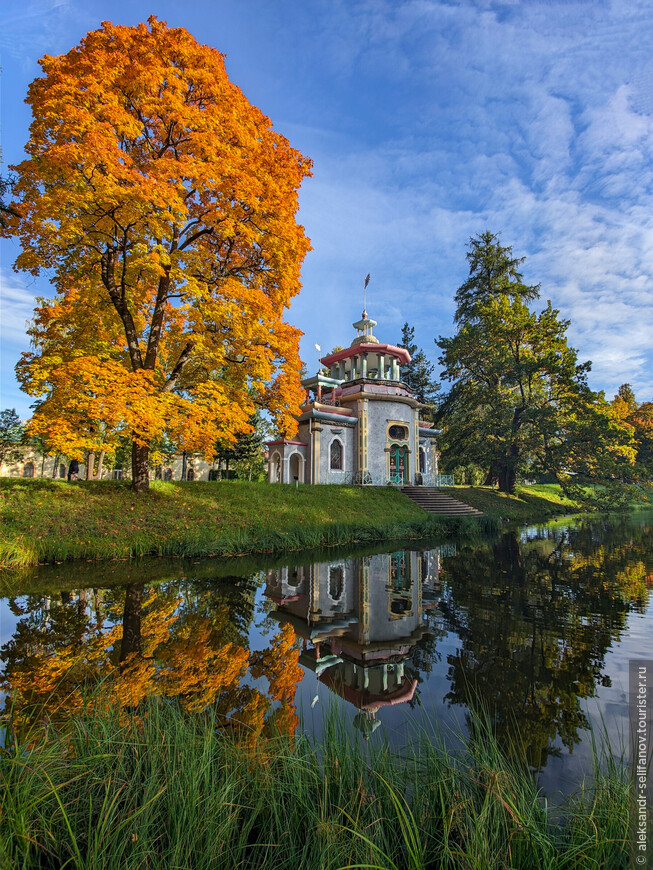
(418,373)
(246,456)
(519,401)
(12,435)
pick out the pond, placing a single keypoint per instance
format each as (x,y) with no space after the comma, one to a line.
(533,626)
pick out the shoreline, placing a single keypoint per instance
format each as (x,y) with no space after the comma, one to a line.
(46,521)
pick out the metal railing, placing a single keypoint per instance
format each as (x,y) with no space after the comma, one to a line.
(435,479)
(366,478)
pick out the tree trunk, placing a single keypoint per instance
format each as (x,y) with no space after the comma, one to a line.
(184,465)
(55,468)
(140,470)
(131,620)
(90,464)
(508,470)
(100,461)
(493,475)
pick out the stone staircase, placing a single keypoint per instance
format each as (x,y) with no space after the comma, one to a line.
(435,501)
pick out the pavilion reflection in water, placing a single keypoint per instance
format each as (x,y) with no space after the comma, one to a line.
(360,619)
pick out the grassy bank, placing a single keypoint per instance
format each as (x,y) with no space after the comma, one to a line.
(46,520)
(529,503)
(163,789)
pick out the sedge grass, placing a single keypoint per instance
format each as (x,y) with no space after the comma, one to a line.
(162,789)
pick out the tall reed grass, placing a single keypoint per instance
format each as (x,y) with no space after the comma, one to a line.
(162,789)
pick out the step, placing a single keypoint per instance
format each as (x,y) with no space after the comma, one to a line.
(435,501)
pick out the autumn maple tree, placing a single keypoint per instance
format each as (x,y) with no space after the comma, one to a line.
(164,206)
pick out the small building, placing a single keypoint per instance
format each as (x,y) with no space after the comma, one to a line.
(359,423)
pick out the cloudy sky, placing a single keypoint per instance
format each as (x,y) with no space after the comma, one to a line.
(428,122)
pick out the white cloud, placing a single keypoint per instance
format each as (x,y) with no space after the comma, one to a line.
(16,309)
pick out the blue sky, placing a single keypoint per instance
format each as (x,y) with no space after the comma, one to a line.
(427,122)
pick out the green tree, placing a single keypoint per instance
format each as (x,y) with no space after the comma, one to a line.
(12,435)
(246,456)
(418,373)
(519,401)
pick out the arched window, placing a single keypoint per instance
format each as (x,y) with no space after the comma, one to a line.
(62,470)
(158,472)
(336,582)
(335,455)
(422,460)
(167,474)
(190,474)
(28,469)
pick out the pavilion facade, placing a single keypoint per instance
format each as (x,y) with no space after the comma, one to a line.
(359,423)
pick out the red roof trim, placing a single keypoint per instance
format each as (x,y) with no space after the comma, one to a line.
(285,441)
(356,349)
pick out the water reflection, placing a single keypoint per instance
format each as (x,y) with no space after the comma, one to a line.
(185,641)
(535,615)
(518,626)
(360,622)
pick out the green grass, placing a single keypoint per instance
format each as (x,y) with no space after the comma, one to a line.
(528,504)
(46,520)
(162,789)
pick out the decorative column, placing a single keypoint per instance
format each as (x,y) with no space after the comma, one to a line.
(364,365)
(362,437)
(382,366)
(364,601)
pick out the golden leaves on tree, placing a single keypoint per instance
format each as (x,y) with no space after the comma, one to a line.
(164,204)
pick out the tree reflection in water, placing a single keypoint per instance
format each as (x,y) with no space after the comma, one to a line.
(180,641)
(535,619)
(531,615)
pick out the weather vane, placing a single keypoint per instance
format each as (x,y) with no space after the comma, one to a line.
(367,281)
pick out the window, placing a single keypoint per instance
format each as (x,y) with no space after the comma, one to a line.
(116,474)
(62,470)
(398,433)
(158,473)
(294,577)
(336,582)
(336,455)
(422,460)
(190,474)
(167,474)
(28,469)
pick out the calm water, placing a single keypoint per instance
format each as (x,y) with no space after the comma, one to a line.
(535,626)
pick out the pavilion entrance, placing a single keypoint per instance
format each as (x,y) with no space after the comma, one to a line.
(399,464)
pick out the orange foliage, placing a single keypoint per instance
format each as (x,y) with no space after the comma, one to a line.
(181,658)
(165,205)
(280,664)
